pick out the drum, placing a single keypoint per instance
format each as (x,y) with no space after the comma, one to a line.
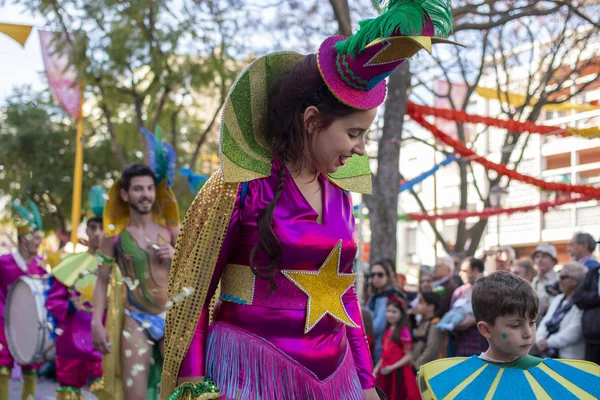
(26,325)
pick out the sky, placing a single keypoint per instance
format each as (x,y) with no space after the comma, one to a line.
(20,66)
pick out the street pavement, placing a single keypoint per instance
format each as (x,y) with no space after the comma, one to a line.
(46,390)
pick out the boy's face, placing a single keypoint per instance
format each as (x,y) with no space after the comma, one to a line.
(510,337)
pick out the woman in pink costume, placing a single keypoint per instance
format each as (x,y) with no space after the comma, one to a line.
(275,226)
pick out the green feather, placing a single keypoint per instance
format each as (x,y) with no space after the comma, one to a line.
(399,16)
(37,217)
(96,199)
(31,216)
(160,157)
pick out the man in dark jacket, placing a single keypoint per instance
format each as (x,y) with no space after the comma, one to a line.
(587,298)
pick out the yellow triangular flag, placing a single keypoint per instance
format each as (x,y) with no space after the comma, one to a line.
(20,33)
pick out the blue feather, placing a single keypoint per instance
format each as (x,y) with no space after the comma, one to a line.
(195,181)
(162,155)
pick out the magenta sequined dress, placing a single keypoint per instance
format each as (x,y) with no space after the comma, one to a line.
(257,346)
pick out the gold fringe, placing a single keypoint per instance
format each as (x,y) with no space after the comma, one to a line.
(196,252)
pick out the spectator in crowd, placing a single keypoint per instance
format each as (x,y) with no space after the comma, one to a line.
(581,248)
(381,287)
(428,341)
(457,259)
(426,279)
(425,285)
(443,284)
(524,268)
(545,259)
(505,256)
(560,333)
(394,374)
(466,339)
(587,298)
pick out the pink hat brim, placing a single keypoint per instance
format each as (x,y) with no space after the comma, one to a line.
(355,98)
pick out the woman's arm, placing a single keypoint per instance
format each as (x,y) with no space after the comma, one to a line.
(357,339)
(379,319)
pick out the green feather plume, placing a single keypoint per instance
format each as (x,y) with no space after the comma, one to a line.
(399,16)
(32,215)
(96,199)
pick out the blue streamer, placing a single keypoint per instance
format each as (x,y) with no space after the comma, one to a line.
(195,181)
(411,184)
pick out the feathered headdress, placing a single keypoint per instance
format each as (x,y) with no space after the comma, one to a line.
(162,155)
(29,219)
(166,210)
(96,199)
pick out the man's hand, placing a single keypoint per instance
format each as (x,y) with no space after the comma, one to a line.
(165,252)
(100,338)
(468,322)
(543,345)
(386,370)
(77,304)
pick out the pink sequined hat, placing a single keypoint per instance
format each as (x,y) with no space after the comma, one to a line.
(355,68)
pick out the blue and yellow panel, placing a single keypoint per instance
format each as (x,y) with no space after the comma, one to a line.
(471,378)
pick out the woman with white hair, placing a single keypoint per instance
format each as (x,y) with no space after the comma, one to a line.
(560,333)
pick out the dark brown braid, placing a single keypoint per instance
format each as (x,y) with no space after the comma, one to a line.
(289,96)
(268,240)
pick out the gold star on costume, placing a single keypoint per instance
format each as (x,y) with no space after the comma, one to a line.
(87,292)
(324,289)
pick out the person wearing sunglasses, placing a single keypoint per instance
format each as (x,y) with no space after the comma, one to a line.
(560,332)
(381,286)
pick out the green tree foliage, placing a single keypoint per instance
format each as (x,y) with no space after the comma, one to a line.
(37,156)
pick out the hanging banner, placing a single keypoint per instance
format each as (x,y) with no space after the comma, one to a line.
(62,76)
(67,91)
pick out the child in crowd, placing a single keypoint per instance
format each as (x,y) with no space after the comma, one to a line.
(428,341)
(394,373)
(506,307)
(461,309)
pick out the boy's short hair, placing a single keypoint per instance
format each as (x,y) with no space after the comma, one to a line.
(94,219)
(503,293)
(431,298)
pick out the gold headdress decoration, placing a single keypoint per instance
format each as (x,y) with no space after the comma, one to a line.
(166,210)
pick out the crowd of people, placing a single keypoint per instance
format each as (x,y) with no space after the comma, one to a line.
(410,329)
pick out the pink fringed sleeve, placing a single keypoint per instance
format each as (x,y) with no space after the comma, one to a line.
(358,341)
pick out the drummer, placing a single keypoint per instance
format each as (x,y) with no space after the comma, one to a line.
(70,305)
(22,262)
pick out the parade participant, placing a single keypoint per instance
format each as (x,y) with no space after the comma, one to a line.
(275,224)
(22,262)
(141,223)
(70,305)
(506,308)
